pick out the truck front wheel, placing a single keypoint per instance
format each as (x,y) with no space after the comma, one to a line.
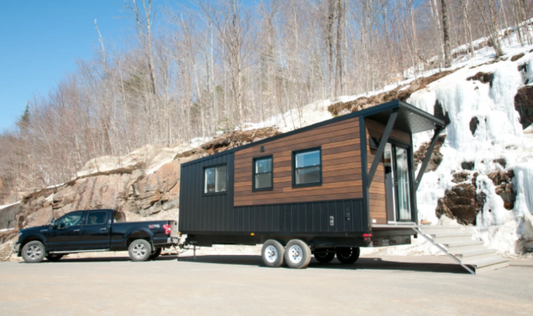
(140,250)
(33,252)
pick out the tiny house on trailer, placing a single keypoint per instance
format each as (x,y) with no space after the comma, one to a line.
(322,190)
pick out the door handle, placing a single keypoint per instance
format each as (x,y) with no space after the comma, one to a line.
(103,229)
(76,230)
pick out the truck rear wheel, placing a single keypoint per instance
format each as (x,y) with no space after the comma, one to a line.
(348,255)
(272,253)
(297,254)
(33,252)
(140,250)
(54,258)
(324,256)
(156,254)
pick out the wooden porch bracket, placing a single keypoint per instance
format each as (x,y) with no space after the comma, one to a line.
(382,143)
(427,157)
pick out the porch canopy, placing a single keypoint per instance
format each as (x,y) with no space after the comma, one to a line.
(405,117)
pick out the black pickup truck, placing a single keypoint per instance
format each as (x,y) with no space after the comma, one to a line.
(95,230)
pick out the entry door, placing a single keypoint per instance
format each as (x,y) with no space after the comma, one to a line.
(397,183)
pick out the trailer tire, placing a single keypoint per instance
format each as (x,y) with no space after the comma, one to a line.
(348,255)
(272,253)
(155,254)
(33,252)
(140,250)
(297,254)
(325,256)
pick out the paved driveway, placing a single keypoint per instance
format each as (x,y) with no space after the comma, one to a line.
(240,285)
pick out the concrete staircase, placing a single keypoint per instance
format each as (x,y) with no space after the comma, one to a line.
(459,245)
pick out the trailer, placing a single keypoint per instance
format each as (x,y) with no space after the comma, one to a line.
(324,190)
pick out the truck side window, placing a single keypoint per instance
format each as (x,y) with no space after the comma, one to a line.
(96,218)
(69,220)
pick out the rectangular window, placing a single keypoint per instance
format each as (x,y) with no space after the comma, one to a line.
(262,174)
(215,179)
(307,167)
(96,218)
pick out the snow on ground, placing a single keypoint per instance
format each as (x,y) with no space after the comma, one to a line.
(8,205)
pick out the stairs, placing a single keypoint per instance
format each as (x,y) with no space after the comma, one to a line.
(458,245)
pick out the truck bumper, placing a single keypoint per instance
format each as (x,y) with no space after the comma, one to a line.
(16,249)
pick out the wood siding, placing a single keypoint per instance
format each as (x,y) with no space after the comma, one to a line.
(341,167)
(377,199)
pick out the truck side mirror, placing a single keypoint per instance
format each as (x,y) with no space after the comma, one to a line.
(53,224)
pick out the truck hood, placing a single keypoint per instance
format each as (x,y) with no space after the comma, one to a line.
(36,229)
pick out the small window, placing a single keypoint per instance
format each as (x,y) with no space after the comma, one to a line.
(262,174)
(96,218)
(215,179)
(72,219)
(307,167)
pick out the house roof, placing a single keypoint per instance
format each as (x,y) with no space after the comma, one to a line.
(410,119)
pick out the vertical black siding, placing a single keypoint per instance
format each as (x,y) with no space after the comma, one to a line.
(201,212)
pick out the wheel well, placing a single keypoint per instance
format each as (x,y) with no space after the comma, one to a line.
(138,235)
(27,240)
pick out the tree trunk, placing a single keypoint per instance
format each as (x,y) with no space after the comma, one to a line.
(446,34)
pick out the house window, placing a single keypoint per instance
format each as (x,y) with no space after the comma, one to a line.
(262,174)
(215,179)
(307,167)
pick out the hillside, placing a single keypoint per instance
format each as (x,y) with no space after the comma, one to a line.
(480,175)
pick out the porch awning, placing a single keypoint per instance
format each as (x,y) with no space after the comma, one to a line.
(410,119)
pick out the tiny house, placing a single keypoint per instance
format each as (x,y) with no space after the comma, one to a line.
(323,190)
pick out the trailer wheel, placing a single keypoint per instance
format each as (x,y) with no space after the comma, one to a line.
(272,253)
(348,255)
(140,250)
(325,256)
(297,254)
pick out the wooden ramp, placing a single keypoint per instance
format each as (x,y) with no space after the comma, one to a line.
(462,248)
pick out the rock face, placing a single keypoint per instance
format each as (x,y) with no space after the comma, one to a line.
(523,103)
(8,216)
(504,187)
(462,203)
(143,185)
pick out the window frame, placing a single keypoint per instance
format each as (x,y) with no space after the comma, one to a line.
(254,173)
(293,167)
(204,179)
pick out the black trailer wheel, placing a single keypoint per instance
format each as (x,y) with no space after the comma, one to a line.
(324,255)
(54,258)
(272,253)
(33,252)
(156,254)
(140,250)
(348,255)
(297,254)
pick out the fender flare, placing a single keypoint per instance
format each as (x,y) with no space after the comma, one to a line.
(142,231)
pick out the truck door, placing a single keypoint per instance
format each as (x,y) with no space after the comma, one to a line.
(67,234)
(96,230)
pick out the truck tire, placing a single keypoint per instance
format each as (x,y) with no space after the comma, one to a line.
(325,256)
(33,252)
(140,250)
(348,255)
(272,253)
(297,254)
(54,258)
(155,254)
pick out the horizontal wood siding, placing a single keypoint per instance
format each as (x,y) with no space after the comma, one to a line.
(341,167)
(377,199)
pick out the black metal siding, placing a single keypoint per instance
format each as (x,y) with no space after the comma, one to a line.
(205,212)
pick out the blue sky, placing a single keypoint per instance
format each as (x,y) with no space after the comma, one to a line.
(40,41)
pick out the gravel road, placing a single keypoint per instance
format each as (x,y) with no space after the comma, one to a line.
(240,285)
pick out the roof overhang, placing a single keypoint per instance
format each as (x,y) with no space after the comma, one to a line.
(410,119)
